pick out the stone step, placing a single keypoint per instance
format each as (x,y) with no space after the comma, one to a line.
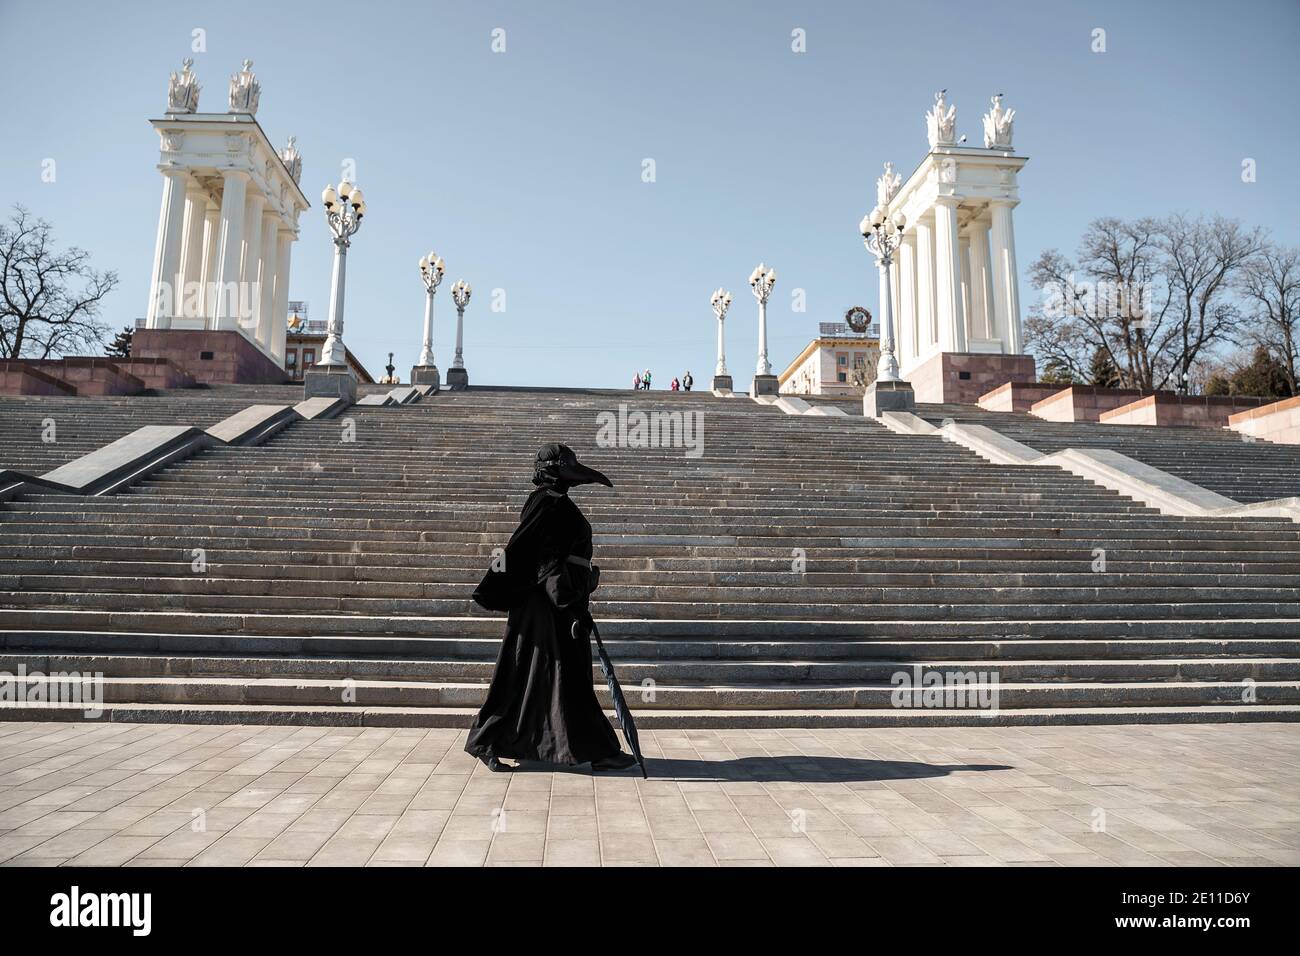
(662,719)
(219,506)
(665,629)
(633,671)
(473,560)
(907,534)
(475,641)
(358,595)
(1025,605)
(204,689)
(317,578)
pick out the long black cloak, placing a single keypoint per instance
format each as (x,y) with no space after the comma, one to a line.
(541,704)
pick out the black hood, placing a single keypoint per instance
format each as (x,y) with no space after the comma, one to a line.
(557,468)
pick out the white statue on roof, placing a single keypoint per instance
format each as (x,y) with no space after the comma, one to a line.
(941,122)
(998,125)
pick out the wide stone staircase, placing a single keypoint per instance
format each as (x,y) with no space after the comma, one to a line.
(793,573)
(1219,459)
(37,434)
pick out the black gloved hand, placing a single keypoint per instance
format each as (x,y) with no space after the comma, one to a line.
(582,625)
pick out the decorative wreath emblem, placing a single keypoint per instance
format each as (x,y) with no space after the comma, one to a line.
(858,318)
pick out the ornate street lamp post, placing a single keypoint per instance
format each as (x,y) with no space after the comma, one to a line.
(431,270)
(761,281)
(721,303)
(457,376)
(881,234)
(344,208)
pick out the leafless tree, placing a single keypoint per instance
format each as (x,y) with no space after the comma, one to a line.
(1201,259)
(1112,300)
(49,300)
(1270,283)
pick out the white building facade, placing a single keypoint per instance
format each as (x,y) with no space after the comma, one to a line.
(229,217)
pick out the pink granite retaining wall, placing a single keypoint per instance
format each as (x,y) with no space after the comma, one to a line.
(1278,422)
(1084,403)
(157,372)
(1200,411)
(18,377)
(91,376)
(1017,396)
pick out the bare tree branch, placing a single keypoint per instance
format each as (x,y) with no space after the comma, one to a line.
(50,301)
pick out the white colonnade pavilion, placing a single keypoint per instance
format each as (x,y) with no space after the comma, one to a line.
(229,218)
(954,276)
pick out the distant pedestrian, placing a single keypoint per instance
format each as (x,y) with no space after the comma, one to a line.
(636,382)
(676,385)
(645,380)
(687,382)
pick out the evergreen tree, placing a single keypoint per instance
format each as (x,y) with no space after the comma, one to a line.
(1056,372)
(121,344)
(1102,371)
(1264,377)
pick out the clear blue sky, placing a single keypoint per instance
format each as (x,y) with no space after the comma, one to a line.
(523,169)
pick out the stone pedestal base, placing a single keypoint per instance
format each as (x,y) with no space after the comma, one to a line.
(722,382)
(210,356)
(457,379)
(961,378)
(426,375)
(330,381)
(888,397)
(765,385)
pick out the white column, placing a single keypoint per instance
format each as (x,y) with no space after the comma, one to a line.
(963,256)
(906,312)
(426,348)
(722,350)
(266,279)
(280,302)
(233,196)
(458,361)
(952,320)
(887,364)
(882,278)
(929,334)
(763,367)
(190,295)
(1006,292)
(332,351)
(211,259)
(981,304)
(163,298)
(250,298)
(990,319)
(896,273)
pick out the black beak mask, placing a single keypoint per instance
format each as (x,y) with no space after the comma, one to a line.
(557,469)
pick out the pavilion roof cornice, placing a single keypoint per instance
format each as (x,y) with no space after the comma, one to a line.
(209,123)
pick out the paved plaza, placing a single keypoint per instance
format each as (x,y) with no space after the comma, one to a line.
(171,795)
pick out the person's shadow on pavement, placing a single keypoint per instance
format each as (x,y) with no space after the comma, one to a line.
(792,769)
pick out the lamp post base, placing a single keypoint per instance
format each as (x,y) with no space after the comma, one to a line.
(331,381)
(765,385)
(888,397)
(457,379)
(722,382)
(426,375)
